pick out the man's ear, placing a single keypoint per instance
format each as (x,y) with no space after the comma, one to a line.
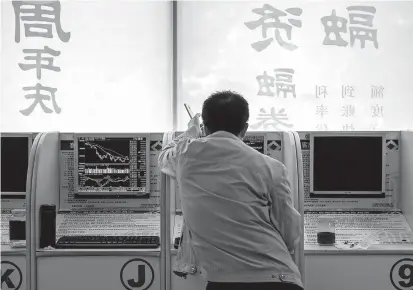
(244,131)
(206,131)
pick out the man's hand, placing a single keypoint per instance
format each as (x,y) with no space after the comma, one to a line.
(194,126)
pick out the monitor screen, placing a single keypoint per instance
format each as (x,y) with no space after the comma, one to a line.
(14,162)
(111,165)
(347,165)
(255,142)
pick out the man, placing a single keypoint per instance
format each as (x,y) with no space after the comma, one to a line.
(236,202)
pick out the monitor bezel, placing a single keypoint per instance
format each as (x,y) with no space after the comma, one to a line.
(350,194)
(114,194)
(30,136)
(250,134)
(247,135)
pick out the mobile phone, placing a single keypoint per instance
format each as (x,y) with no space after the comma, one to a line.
(190,113)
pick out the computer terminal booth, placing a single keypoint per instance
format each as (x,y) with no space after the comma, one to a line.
(95,205)
(283,146)
(363,182)
(16,160)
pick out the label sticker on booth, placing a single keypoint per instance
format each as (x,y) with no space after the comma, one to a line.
(401,274)
(137,274)
(11,276)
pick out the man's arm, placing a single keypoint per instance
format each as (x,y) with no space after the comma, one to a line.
(283,214)
(169,155)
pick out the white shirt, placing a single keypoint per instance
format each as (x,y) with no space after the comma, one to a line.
(237,206)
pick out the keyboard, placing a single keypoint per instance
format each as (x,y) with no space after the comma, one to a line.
(107,242)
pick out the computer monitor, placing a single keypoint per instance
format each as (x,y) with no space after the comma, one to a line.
(347,165)
(256,142)
(114,165)
(15,150)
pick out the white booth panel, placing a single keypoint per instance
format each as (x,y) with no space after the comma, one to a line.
(359,272)
(13,272)
(339,272)
(99,273)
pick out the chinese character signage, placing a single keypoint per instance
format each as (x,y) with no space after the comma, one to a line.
(304,66)
(39,19)
(359,27)
(272,120)
(345,102)
(274,21)
(283,82)
(85,66)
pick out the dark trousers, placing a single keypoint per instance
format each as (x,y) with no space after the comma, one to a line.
(252,286)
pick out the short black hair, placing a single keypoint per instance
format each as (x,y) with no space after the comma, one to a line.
(225,111)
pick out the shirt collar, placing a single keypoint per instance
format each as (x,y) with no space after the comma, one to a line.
(224,134)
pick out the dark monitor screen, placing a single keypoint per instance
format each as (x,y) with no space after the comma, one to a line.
(14,162)
(347,164)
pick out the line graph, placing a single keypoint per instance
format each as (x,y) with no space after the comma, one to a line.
(107,164)
(105,154)
(107,181)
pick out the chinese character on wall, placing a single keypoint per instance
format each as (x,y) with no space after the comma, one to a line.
(321,92)
(348,111)
(359,26)
(377,111)
(39,19)
(275,21)
(272,120)
(283,83)
(377,92)
(321,110)
(347,91)
(348,127)
(322,127)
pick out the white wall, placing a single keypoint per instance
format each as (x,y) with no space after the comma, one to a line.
(216,54)
(115,69)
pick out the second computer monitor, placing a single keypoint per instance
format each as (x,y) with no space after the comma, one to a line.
(347,164)
(256,142)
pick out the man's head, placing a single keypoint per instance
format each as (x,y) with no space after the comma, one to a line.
(226,111)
